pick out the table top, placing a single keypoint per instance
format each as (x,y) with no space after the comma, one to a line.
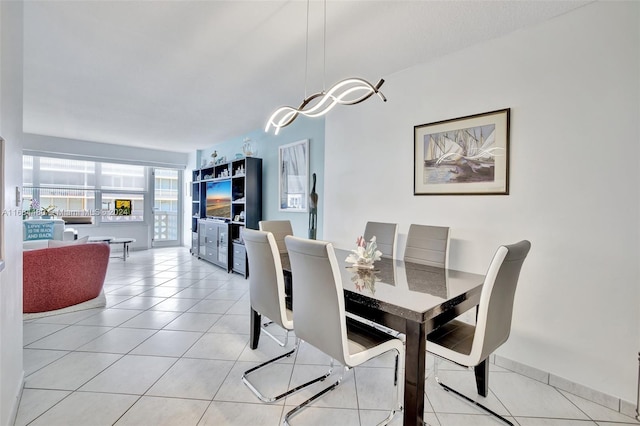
(409,290)
(100,238)
(122,240)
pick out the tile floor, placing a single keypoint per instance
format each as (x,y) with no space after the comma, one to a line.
(172,343)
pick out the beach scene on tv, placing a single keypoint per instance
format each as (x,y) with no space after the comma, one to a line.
(219,199)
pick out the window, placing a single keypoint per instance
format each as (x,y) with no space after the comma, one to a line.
(111,214)
(166,196)
(67,184)
(123,177)
(122,182)
(84,191)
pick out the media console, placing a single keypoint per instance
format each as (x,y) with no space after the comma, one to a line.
(226,198)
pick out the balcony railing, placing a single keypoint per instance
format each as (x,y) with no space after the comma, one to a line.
(165,226)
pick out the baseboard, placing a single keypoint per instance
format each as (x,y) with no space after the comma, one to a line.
(525,370)
(614,403)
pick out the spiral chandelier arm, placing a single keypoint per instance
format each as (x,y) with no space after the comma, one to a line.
(339,93)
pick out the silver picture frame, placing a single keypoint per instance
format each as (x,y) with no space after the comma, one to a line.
(293,177)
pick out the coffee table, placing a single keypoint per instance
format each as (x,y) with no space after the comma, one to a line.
(99,239)
(125,241)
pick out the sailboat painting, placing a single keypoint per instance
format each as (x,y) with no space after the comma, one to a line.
(463,156)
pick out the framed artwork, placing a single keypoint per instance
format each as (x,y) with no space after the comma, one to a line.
(293,179)
(123,207)
(463,156)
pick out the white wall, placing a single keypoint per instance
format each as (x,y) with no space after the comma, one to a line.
(572,84)
(11,369)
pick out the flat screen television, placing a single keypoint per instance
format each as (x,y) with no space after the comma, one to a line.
(219,199)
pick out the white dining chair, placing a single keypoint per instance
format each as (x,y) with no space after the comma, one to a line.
(427,245)
(279,229)
(319,315)
(471,345)
(386,236)
(266,293)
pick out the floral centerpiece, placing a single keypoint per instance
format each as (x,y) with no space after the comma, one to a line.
(365,254)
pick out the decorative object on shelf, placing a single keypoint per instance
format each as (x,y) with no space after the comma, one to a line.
(463,156)
(48,212)
(313,210)
(36,211)
(349,91)
(213,157)
(247,148)
(294,176)
(365,254)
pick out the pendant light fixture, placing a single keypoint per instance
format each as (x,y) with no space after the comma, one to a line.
(349,91)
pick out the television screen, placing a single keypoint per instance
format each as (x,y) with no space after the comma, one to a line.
(219,199)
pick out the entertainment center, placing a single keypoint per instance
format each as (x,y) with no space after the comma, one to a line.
(226,198)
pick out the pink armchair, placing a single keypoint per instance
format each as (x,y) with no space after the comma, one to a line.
(64,277)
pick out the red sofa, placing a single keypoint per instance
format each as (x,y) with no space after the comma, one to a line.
(61,277)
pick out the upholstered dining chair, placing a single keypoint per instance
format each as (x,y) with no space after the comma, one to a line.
(470,345)
(279,229)
(386,235)
(427,245)
(319,315)
(266,292)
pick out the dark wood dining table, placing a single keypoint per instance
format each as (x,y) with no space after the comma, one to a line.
(410,298)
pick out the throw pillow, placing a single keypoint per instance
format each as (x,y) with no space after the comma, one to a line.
(59,243)
(38,231)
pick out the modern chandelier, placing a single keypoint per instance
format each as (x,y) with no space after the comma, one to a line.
(349,91)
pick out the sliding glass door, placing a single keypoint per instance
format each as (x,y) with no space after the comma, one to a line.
(167,210)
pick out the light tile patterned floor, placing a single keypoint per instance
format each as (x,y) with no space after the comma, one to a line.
(171,346)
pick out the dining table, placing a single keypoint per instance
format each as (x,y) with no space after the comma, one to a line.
(410,298)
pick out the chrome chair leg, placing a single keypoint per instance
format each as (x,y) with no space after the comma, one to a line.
(297,409)
(397,406)
(274,338)
(465,397)
(397,399)
(261,397)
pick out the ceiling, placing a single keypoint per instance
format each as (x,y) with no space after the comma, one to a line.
(184,75)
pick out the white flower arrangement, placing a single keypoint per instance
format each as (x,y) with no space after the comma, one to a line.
(365,254)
